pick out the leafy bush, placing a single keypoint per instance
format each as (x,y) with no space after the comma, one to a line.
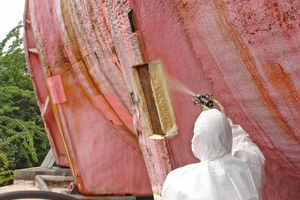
(23,141)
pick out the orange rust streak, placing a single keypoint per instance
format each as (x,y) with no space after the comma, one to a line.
(84,66)
(283,83)
(230,33)
(47,72)
(110,51)
(66,144)
(77,52)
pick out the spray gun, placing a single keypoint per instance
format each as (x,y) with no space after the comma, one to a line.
(203,100)
(206,102)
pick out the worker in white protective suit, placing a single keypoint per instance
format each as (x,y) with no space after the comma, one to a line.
(231,167)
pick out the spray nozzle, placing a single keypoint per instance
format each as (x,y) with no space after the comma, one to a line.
(206,102)
(203,99)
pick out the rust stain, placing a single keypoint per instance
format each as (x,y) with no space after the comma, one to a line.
(229,32)
(47,72)
(97,31)
(82,61)
(283,83)
(85,70)
(70,154)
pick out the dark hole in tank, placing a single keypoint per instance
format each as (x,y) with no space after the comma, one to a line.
(132,21)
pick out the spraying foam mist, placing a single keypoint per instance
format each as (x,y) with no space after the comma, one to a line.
(176,85)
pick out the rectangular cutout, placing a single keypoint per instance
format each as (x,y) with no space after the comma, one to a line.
(150,101)
(132,21)
(155,102)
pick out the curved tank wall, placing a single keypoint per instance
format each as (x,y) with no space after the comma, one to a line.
(92,118)
(246,53)
(41,92)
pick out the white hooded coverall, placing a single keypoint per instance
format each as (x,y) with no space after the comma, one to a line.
(231,167)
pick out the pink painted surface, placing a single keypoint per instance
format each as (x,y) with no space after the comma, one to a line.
(56,89)
(106,110)
(128,47)
(245,53)
(119,108)
(39,84)
(105,14)
(104,158)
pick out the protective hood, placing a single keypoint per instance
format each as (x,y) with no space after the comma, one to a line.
(212,136)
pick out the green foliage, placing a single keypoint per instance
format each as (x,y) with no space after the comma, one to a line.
(13,66)
(23,141)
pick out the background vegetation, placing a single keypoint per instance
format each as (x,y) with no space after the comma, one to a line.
(23,141)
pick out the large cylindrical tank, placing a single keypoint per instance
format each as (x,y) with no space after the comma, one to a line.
(104,66)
